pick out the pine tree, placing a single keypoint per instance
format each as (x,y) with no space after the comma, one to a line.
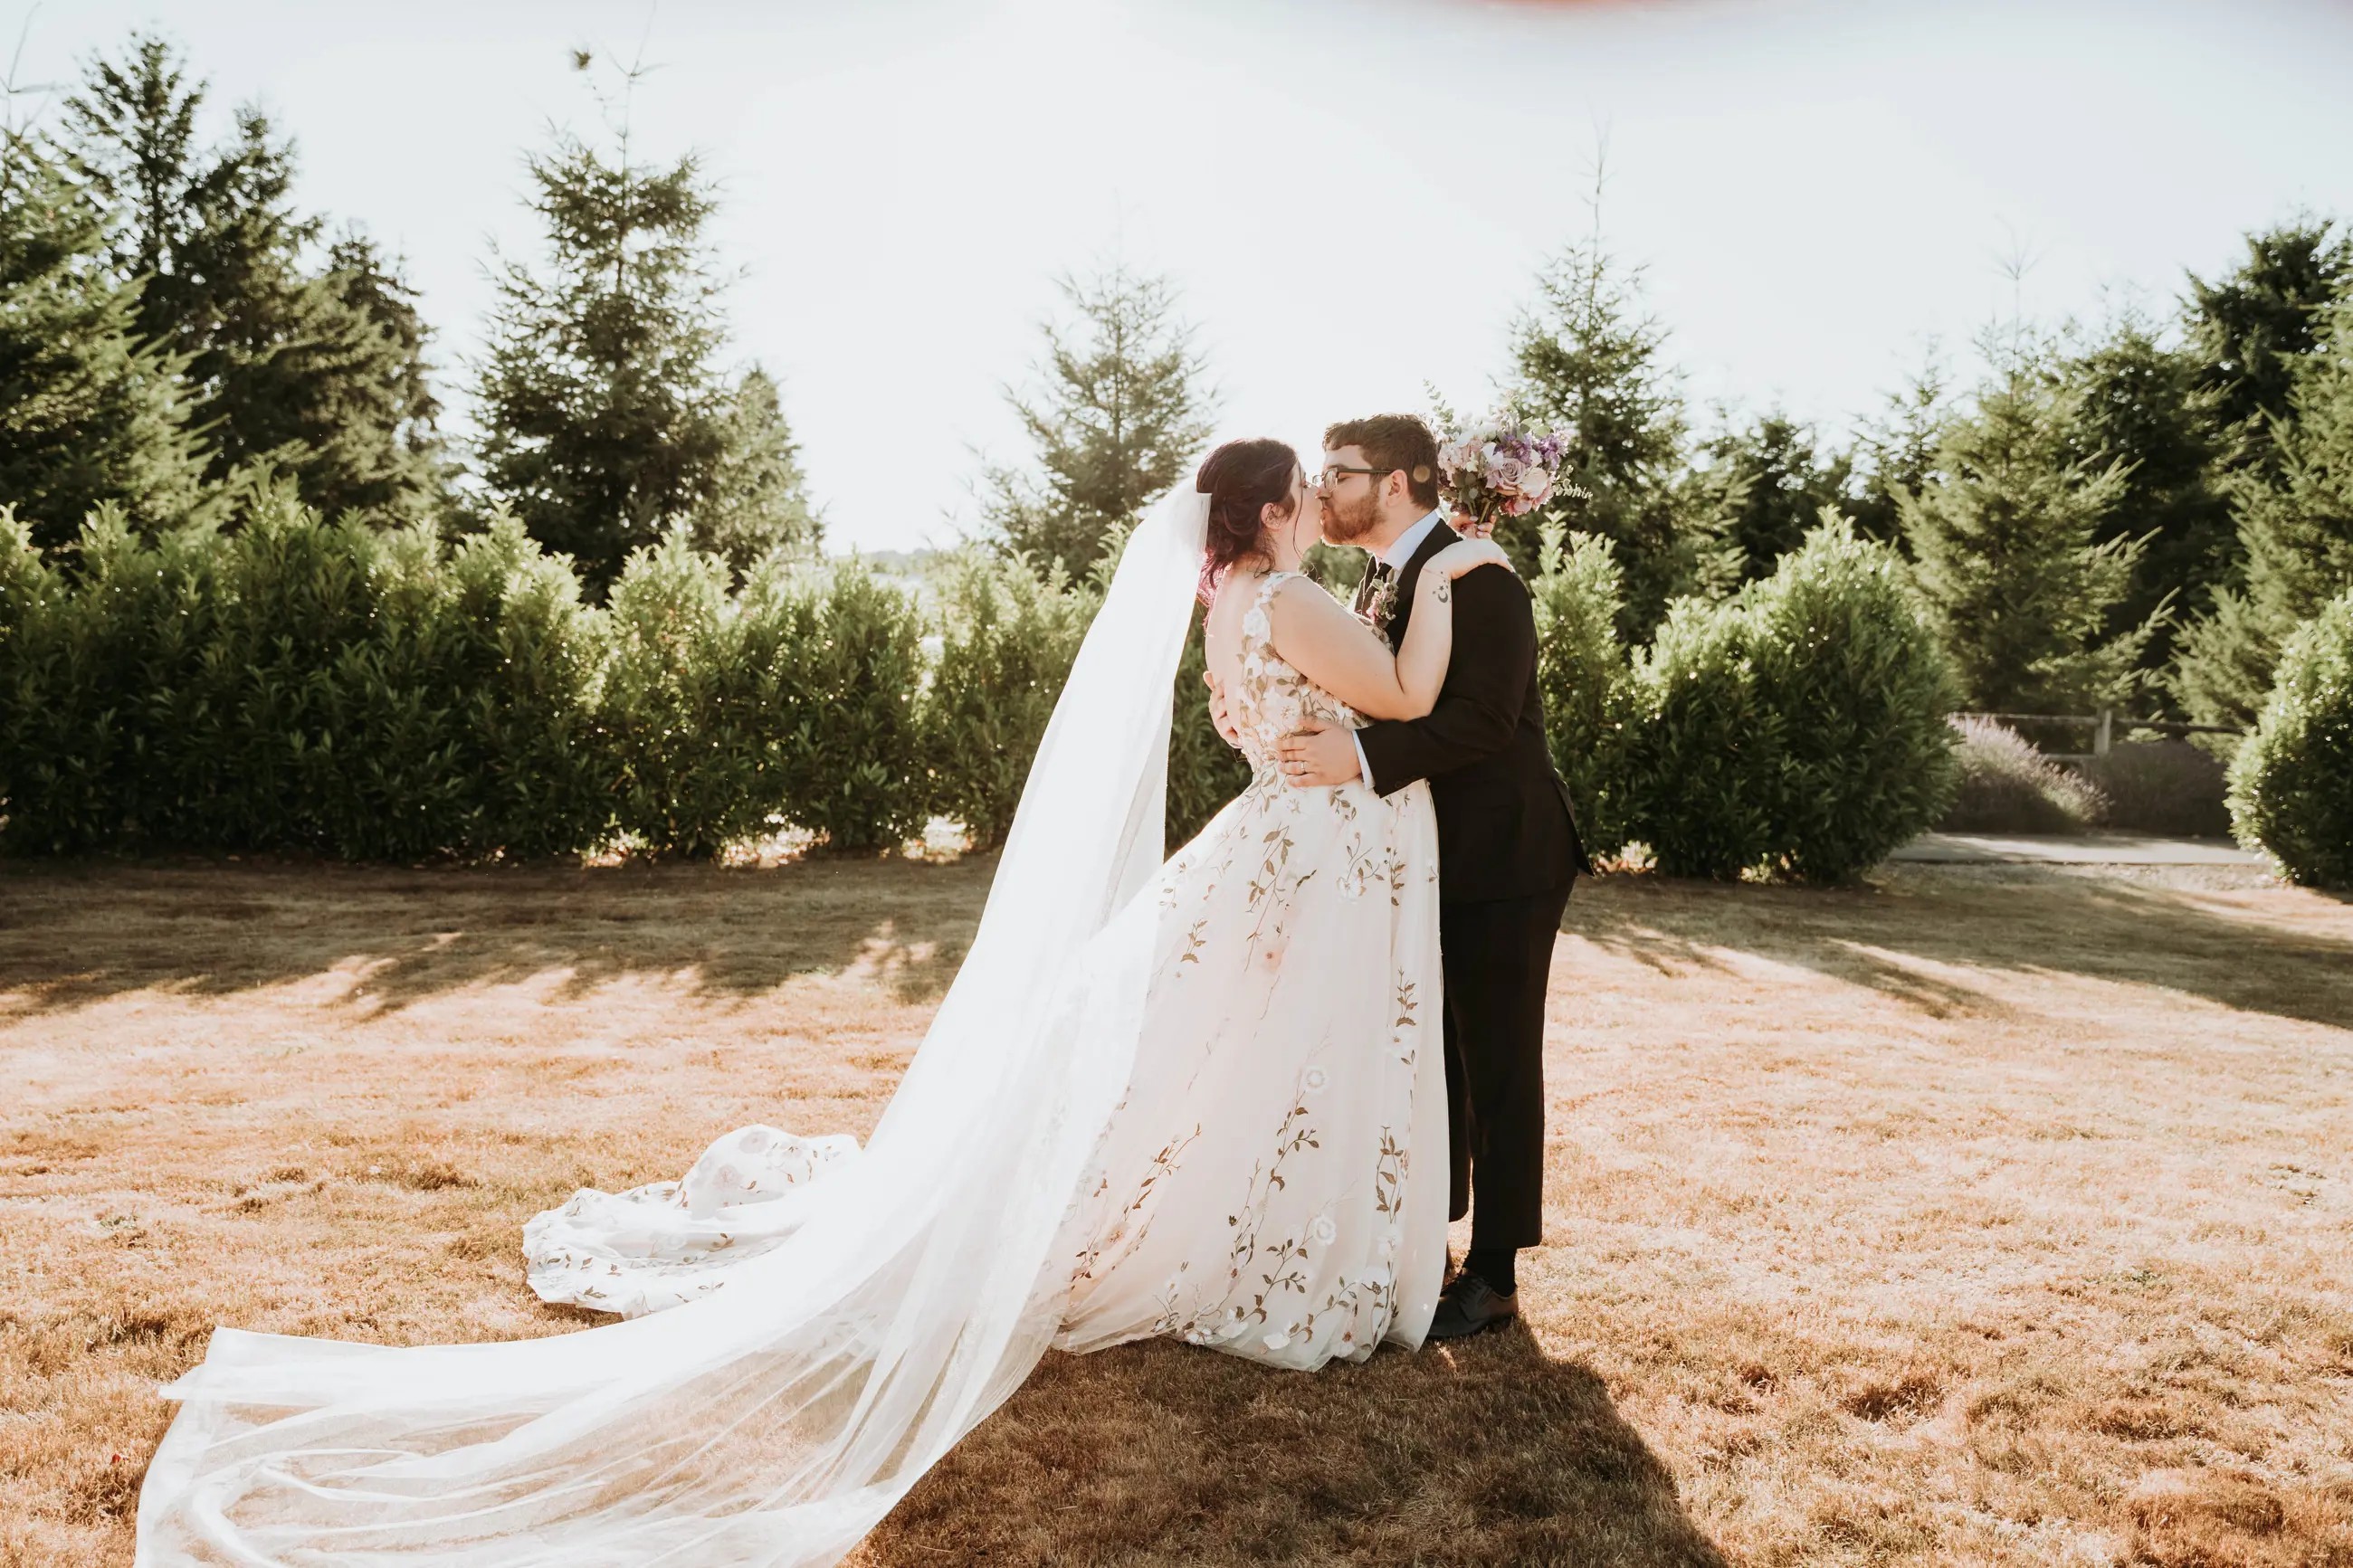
(2009,552)
(608,421)
(2140,408)
(2297,534)
(88,414)
(1765,487)
(2249,329)
(1588,359)
(286,366)
(1896,455)
(759,502)
(1118,410)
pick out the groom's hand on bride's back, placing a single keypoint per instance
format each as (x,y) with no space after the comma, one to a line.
(1318,756)
(1218,714)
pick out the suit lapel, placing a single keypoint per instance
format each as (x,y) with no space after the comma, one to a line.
(1437,538)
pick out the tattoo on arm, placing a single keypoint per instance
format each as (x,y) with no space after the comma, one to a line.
(1441,589)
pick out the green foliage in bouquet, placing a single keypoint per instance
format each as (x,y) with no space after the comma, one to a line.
(1006,640)
(2291,781)
(1582,671)
(854,771)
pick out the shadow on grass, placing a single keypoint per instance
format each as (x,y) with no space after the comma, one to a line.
(1895,935)
(1157,1454)
(1938,938)
(73,936)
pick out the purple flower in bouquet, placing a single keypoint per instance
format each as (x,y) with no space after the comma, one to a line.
(1499,467)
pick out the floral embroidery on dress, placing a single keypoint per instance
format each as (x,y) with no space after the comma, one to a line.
(1285,1001)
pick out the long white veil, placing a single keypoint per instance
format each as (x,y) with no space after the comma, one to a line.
(775,1421)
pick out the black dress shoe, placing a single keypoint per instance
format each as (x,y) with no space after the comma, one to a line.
(1471,1306)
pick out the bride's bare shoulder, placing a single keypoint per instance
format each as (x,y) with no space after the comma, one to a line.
(1304,616)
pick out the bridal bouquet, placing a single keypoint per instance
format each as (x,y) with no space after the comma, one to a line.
(1499,467)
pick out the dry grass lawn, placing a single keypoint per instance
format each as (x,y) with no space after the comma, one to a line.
(1978,1215)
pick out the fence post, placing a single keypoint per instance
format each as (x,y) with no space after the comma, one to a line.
(2100,741)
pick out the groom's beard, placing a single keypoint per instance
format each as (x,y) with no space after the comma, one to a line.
(1346,526)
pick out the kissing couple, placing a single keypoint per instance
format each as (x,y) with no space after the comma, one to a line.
(1205,1098)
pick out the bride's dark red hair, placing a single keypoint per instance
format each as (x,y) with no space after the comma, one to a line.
(1241,479)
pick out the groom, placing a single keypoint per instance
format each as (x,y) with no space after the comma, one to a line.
(1507,847)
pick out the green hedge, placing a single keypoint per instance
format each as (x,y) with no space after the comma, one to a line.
(1007,639)
(2291,781)
(294,685)
(1582,671)
(266,681)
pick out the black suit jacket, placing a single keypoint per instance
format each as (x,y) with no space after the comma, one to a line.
(1505,827)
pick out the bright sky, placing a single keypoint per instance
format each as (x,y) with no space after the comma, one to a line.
(1352,196)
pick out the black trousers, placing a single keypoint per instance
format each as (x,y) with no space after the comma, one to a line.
(1498,957)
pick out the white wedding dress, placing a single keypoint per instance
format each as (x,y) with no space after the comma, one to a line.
(1203,1098)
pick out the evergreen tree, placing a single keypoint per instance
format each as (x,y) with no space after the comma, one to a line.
(1895,456)
(604,418)
(2140,409)
(2009,552)
(1118,410)
(293,368)
(2297,534)
(390,385)
(88,413)
(608,420)
(2249,328)
(1765,487)
(1588,359)
(759,501)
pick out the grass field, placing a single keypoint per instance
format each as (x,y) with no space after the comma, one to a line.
(1975,1216)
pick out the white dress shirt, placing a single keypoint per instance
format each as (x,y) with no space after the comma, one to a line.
(1394,557)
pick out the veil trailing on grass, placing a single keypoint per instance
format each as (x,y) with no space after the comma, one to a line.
(776,1420)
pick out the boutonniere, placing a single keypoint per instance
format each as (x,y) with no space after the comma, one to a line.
(1382,604)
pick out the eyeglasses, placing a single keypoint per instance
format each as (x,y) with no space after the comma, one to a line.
(1333,475)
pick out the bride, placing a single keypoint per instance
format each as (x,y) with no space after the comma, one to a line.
(1202,1099)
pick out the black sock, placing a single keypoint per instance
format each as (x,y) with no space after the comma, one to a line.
(1498,1265)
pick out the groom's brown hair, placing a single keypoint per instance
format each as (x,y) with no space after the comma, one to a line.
(1393,441)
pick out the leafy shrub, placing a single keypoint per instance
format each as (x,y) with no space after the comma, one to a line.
(693,719)
(105,699)
(1798,727)
(2292,783)
(1581,671)
(1706,747)
(854,770)
(1848,663)
(29,590)
(314,721)
(1006,641)
(2005,785)
(2161,786)
(529,666)
(297,685)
